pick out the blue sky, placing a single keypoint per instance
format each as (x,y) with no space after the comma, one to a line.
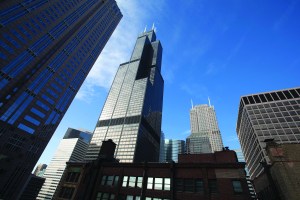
(212,48)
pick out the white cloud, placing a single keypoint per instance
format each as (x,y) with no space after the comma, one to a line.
(136,13)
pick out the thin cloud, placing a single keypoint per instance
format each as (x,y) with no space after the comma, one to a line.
(118,49)
(286,14)
(195,90)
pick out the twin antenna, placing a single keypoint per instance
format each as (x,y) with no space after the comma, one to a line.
(153,28)
(193,103)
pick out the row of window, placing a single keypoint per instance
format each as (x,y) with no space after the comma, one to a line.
(273,96)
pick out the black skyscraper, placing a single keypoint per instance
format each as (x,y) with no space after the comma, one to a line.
(47,49)
(132,113)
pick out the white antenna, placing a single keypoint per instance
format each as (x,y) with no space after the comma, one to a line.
(145,29)
(209,102)
(153,26)
(192,103)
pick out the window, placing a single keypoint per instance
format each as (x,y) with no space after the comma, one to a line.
(66,192)
(199,186)
(150,183)
(110,180)
(237,186)
(189,185)
(139,182)
(167,184)
(179,185)
(158,184)
(131,181)
(72,177)
(125,180)
(212,185)
(105,196)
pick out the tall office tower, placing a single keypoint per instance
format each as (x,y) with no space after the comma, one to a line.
(72,148)
(47,49)
(132,113)
(270,115)
(172,149)
(205,133)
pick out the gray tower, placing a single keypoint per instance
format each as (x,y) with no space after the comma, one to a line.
(72,148)
(172,148)
(205,133)
(47,48)
(270,115)
(132,113)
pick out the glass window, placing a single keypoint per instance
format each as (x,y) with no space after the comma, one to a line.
(103,180)
(212,185)
(125,180)
(237,186)
(31,120)
(189,185)
(139,182)
(131,181)
(167,184)
(179,185)
(109,180)
(129,197)
(105,196)
(26,128)
(116,180)
(199,186)
(158,183)
(150,183)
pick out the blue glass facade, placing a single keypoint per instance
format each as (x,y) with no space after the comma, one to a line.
(47,48)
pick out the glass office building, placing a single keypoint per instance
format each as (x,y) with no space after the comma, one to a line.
(172,148)
(205,133)
(132,113)
(270,115)
(47,48)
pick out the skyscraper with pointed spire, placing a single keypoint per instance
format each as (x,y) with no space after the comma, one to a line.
(205,133)
(132,113)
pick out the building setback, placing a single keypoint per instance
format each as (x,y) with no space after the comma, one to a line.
(270,115)
(205,133)
(217,176)
(71,148)
(172,148)
(47,49)
(132,113)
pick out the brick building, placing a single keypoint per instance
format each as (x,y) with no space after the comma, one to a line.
(204,176)
(281,178)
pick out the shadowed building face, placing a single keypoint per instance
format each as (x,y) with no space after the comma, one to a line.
(47,48)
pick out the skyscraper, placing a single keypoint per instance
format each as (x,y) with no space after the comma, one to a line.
(172,148)
(132,113)
(72,148)
(205,133)
(47,49)
(270,115)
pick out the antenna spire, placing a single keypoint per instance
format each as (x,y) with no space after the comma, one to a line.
(153,27)
(209,102)
(145,29)
(192,103)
